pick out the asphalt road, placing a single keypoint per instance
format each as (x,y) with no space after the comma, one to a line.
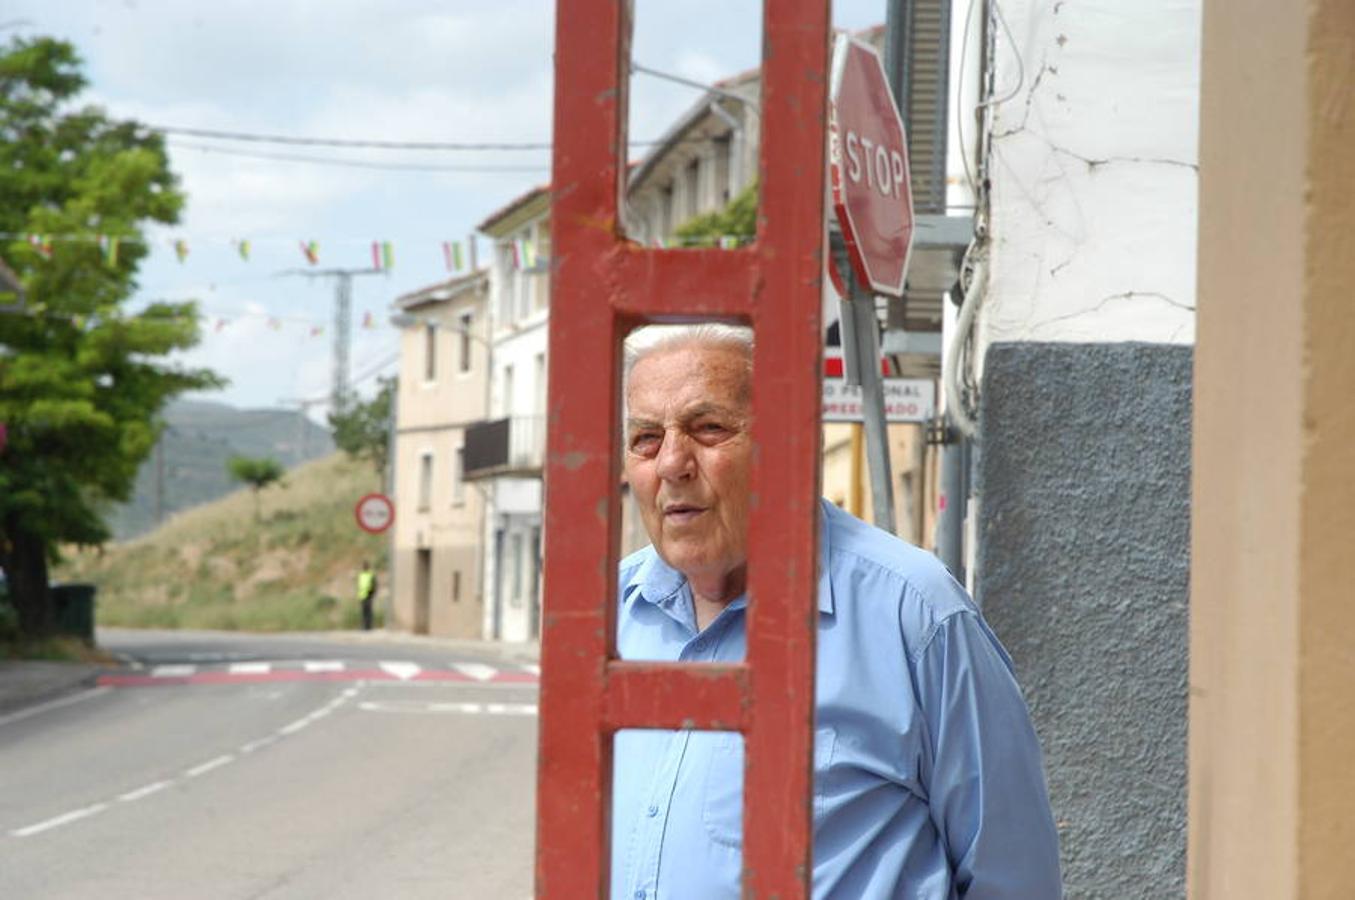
(230,766)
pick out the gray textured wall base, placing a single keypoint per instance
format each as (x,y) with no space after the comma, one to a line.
(1083,563)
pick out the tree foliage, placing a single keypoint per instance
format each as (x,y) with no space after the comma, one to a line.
(257,472)
(82,379)
(362,427)
(738,220)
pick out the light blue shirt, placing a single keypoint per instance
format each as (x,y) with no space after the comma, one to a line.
(927,775)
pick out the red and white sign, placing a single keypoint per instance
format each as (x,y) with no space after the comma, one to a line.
(375,513)
(906,400)
(868,162)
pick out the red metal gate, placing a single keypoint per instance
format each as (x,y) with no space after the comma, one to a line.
(602,286)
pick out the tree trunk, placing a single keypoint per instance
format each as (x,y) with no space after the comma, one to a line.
(29,593)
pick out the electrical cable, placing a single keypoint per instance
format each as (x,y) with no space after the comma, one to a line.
(352,163)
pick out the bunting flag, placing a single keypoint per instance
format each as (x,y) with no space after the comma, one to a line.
(451,254)
(516,253)
(311,250)
(109,246)
(220,324)
(242,247)
(376,255)
(317,330)
(42,243)
(181,249)
(528,254)
(368,321)
(274,324)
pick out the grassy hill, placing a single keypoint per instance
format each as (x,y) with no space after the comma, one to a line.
(215,566)
(189,466)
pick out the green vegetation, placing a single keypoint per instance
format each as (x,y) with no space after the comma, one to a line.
(215,567)
(362,427)
(737,220)
(82,381)
(257,472)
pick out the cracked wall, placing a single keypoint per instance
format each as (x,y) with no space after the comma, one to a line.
(1094,173)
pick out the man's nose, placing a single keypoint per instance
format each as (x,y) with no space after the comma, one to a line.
(675,460)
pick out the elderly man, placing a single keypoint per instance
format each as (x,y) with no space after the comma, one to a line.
(927,774)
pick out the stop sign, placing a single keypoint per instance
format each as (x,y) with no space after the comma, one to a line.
(868,159)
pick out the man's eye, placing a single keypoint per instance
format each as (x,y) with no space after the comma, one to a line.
(644,443)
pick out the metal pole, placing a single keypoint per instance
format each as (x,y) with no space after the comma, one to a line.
(392,446)
(861,357)
(950,514)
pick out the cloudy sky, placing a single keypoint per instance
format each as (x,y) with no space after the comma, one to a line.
(413,70)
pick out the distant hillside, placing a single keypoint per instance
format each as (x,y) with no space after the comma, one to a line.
(190,466)
(216,567)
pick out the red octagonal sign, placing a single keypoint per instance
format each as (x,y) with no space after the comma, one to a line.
(868,159)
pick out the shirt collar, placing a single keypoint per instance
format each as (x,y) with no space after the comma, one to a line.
(657,582)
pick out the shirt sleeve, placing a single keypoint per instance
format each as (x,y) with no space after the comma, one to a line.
(984,776)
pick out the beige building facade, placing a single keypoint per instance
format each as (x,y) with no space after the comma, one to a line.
(438,580)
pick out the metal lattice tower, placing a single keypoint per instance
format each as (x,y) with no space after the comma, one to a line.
(343,324)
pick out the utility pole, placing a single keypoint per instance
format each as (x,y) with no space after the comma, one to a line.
(343,324)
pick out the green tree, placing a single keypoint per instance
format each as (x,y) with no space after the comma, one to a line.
(738,220)
(257,472)
(82,378)
(362,427)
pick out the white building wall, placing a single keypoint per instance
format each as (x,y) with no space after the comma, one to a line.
(1094,171)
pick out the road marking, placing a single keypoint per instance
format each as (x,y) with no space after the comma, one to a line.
(401,670)
(478,671)
(533,668)
(144,791)
(322,665)
(461,708)
(172,671)
(250,668)
(259,744)
(210,765)
(63,819)
(53,704)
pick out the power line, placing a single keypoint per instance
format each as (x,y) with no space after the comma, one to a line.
(352,163)
(348,142)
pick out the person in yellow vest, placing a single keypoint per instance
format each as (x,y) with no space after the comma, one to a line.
(366,591)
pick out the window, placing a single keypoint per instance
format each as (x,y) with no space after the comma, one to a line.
(693,188)
(459,478)
(516,542)
(524,280)
(463,329)
(430,352)
(539,406)
(456,586)
(425,481)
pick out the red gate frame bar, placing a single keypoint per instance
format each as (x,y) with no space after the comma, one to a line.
(603,286)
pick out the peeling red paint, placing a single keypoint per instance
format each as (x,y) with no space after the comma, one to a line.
(601,286)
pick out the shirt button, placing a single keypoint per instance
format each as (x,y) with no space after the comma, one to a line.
(652,811)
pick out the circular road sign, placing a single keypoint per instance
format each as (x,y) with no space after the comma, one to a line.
(868,161)
(375,513)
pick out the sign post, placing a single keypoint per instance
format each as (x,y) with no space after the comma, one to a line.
(872,197)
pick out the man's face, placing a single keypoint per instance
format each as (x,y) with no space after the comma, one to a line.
(688,455)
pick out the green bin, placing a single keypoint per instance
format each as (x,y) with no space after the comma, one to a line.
(73,605)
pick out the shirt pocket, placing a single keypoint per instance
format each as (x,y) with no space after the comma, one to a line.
(722,786)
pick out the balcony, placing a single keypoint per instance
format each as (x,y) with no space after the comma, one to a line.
(511,447)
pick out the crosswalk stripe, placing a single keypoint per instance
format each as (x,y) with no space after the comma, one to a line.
(250,668)
(322,665)
(478,671)
(401,670)
(534,669)
(174,671)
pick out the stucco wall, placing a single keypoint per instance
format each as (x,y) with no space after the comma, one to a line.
(1084,519)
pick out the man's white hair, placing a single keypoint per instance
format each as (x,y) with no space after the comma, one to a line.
(651,339)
